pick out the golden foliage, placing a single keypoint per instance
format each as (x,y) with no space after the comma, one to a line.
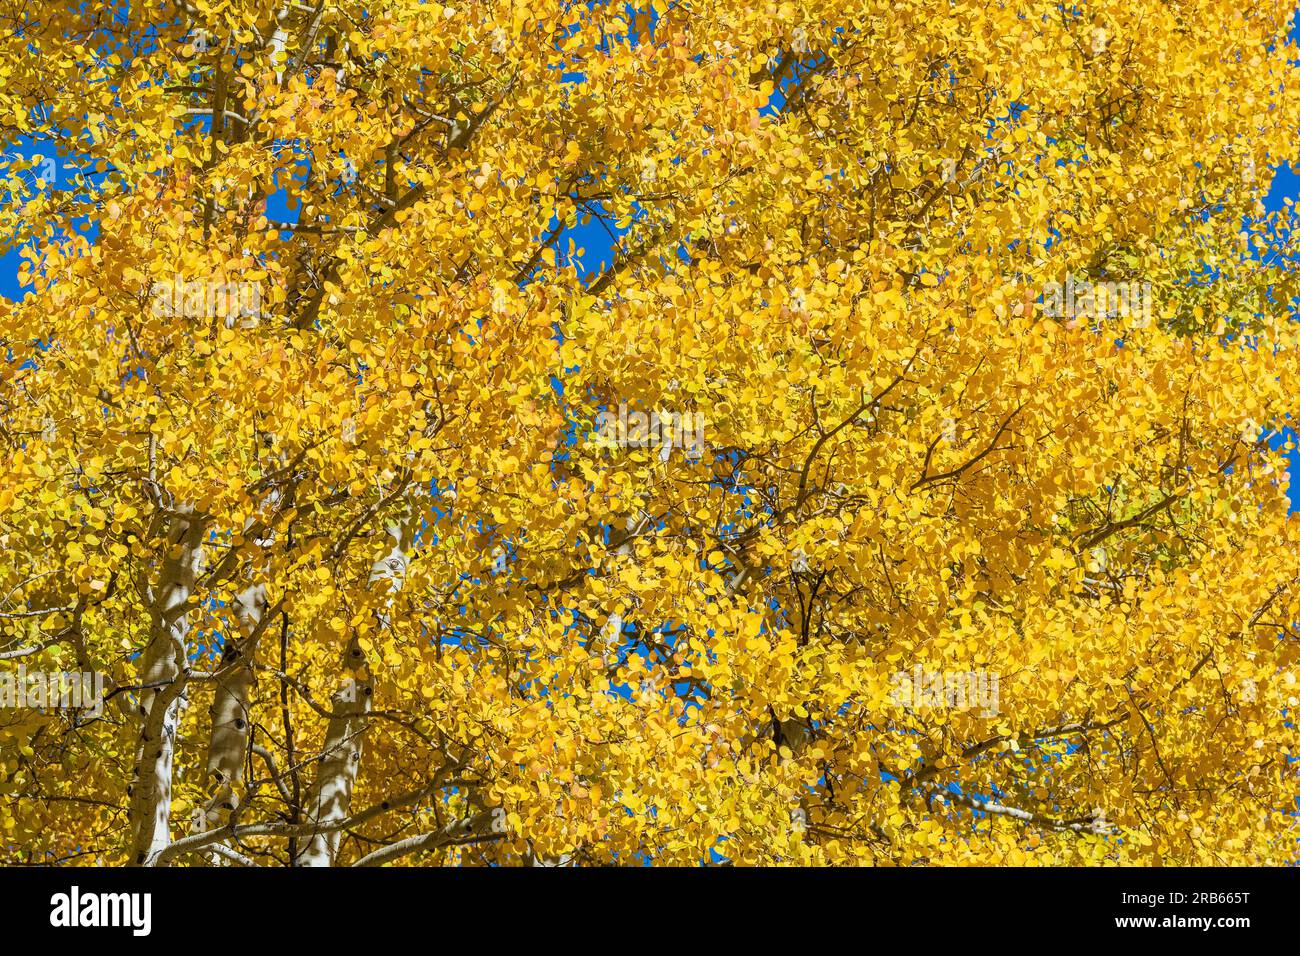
(838,230)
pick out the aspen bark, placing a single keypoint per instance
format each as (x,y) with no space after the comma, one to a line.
(228,741)
(163,671)
(330,797)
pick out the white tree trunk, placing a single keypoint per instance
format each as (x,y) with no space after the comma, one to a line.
(228,743)
(162,677)
(330,798)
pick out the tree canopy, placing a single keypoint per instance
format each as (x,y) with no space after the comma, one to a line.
(959,533)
